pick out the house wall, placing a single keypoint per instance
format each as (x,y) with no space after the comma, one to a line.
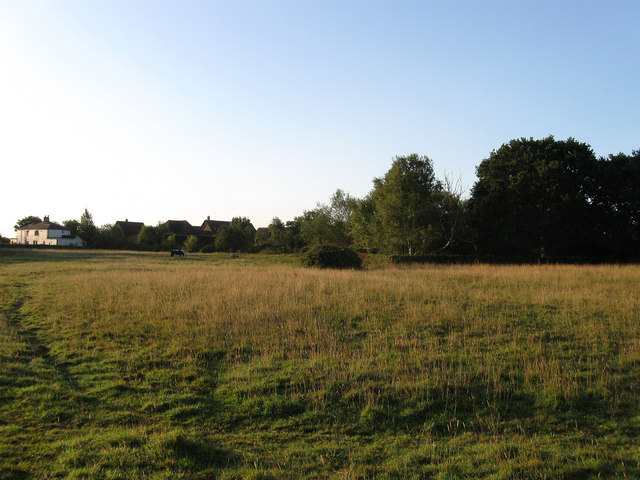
(70,242)
(40,237)
(47,237)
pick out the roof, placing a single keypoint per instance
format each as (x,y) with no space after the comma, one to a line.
(213,225)
(43,226)
(179,226)
(130,228)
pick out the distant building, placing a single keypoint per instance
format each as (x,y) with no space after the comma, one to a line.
(181,227)
(131,229)
(46,233)
(210,227)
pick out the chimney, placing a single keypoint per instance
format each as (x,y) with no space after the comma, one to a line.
(46,218)
(208,218)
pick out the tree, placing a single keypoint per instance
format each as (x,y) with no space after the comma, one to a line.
(293,240)
(191,244)
(73,226)
(109,236)
(457,234)
(87,229)
(277,232)
(237,236)
(153,237)
(364,226)
(273,238)
(171,241)
(406,206)
(616,197)
(534,197)
(329,224)
(29,220)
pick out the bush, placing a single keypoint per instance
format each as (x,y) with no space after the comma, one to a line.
(329,256)
(191,244)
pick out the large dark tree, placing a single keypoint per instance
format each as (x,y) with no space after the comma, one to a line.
(616,195)
(110,236)
(29,220)
(536,197)
(72,225)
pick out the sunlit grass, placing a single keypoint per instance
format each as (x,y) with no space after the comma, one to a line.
(138,366)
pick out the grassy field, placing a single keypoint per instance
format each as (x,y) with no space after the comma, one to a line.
(137,365)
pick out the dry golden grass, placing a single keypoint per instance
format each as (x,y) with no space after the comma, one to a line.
(513,366)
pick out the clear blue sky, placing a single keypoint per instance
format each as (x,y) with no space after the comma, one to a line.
(157,110)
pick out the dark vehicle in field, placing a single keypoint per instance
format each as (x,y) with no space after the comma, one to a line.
(177,252)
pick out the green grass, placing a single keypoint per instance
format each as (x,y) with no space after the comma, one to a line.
(139,365)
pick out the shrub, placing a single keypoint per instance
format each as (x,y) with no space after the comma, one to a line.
(329,256)
(191,244)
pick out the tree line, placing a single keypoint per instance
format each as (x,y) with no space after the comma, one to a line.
(533,199)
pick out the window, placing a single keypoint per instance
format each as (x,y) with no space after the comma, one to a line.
(36,233)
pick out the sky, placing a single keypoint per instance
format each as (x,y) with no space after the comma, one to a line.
(151,110)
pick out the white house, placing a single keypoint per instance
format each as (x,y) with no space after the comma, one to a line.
(46,233)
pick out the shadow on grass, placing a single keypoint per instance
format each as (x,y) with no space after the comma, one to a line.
(200,454)
(12,473)
(10,256)
(37,348)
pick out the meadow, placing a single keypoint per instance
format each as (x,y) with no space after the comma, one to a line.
(118,365)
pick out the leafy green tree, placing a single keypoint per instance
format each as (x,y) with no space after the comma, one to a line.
(293,240)
(364,226)
(262,240)
(229,239)
(277,233)
(283,237)
(109,236)
(407,206)
(329,224)
(171,241)
(534,197)
(29,220)
(237,236)
(87,229)
(153,236)
(72,225)
(244,225)
(273,238)
(191,244)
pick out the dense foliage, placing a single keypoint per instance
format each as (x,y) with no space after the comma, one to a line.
(534,197)
(534,200)
(331,256)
